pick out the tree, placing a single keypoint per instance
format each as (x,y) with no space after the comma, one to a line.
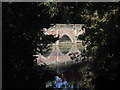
(23,25)
(22,33)
(102,37)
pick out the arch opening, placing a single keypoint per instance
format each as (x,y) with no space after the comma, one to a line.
(65,38)
(65,44)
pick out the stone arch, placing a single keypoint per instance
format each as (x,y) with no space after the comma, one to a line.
(65,38)
(66,34)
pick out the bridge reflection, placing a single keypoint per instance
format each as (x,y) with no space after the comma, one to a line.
(59,54)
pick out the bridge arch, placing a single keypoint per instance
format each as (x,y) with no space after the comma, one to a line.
(66,34)
(65,38)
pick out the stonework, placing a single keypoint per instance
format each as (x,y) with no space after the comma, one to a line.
(70,30)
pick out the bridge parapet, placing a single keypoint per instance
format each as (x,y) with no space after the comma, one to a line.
(66,26)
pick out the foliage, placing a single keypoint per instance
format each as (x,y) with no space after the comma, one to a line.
(65,13)
(22,36)
(23,33)
(102,37)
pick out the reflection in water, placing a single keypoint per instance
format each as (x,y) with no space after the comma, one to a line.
(62,53)
(47,53)
(65,47)
(58,58)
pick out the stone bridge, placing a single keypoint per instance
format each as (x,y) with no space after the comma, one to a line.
(68,34)
(72,31)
